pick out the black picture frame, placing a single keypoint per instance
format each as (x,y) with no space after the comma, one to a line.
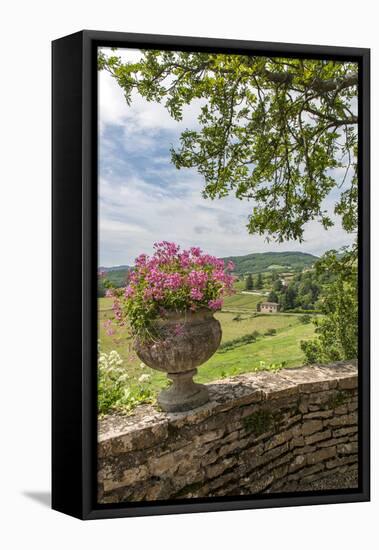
(74,205)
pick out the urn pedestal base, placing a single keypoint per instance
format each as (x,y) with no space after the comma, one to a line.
(184,394)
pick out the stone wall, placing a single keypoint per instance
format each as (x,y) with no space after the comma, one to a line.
(262,432)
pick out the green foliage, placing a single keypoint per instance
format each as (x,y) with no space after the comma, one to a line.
(259,283)
(304,311)
(303,292)
(338,399)
(117,278)
(249,284)
(271,130)
(114,389)
(337,331)
(305,319)
(277,286)
(272,297)
(273,367)
(270,332)
(240,341)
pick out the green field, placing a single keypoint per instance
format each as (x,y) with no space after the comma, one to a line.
(282,347)
(242,302)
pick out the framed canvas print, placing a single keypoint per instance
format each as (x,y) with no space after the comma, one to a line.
(210,274)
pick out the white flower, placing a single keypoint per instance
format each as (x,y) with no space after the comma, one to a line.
(144,378)
(110,361)
(142,365)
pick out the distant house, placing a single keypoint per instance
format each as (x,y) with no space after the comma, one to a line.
(269,307)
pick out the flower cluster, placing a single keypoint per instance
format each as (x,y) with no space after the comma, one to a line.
(173,280)
(116,391)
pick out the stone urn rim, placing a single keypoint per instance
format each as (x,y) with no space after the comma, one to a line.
(187,315)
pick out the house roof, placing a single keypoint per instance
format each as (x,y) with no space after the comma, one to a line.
(269,304)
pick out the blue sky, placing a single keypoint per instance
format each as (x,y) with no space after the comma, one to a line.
(143,198)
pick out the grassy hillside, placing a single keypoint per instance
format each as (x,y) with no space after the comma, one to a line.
(282,346)
(270,261)
(242,302)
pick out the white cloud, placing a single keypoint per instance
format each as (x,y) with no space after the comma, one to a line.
(143,118)
(136,214)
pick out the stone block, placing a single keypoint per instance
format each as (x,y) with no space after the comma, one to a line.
(321,454)
(343,420)
(347,448)
(311,426)
(318,436)
(304,450)
(340,432)
(332,441)
(341,461)
(297,442)
(348,383)
(129,477)
(318,414)
(299,462)
(278,439)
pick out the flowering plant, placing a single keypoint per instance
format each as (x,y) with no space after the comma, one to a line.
(115,389)
(171,280)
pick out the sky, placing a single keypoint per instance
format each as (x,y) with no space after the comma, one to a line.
(144,199)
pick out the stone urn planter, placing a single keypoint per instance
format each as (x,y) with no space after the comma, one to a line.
(185,341)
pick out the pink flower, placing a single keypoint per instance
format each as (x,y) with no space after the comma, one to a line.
(173,281)
(197,278)
(141,260)
(195,251)
(129,291)
(215,304)
(109,293)
(147,294)
(117,310)
(110,331)
(185,259)
(196,294)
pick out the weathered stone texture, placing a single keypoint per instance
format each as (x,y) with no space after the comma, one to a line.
(263,432)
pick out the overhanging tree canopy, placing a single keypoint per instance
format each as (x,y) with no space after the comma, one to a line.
(272,130)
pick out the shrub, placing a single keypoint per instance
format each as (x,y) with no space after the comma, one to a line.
(305,319)
(240,341)
(270,332)
(305,311)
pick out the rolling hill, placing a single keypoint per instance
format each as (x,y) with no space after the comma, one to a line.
(116,275)
(270,261)
(258,262)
